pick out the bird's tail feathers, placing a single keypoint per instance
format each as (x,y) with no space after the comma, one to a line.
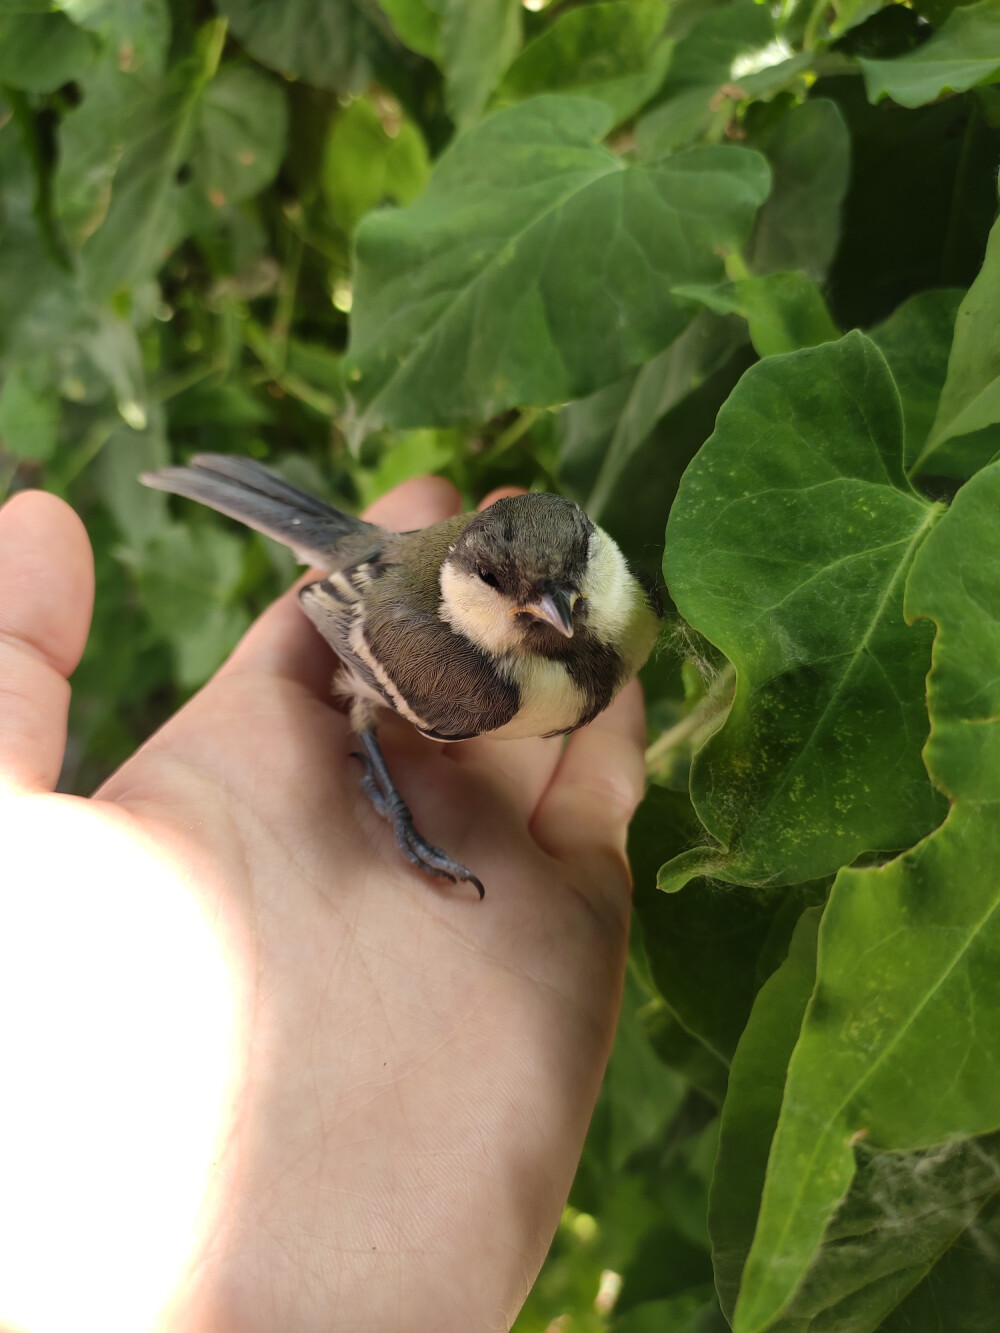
(258,497)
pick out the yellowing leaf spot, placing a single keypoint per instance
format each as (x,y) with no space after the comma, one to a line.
(216,198)
(247,157)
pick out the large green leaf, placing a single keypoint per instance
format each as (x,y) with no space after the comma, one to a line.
(537,266)
(784,311)
(365,165)
(139,30)
(328,43)
(809,150)
(964,52)
(749,1117)
(41,52)
(478,42)
(612,51)
(418,23)
(901,1042)
(657,389)
(148,161)
(705,946)
(702,63)
(915,340)
(788,546)
(966,429)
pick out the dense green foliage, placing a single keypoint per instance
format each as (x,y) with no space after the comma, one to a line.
(718,269)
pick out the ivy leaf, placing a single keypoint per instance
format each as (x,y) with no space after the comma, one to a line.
(749,1117)
(798,227)
(829,708)
(970,398)
(327,43)
(784,311)
(611,51)
(41,52)
(900,1045)
(187,577)
(537,266)
(418,24)
(138,30)
(29,415)
(363,165)
(702,62)
(915,340)
(148,161)
(478,42)
(963,52)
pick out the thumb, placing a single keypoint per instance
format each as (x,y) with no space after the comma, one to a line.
(46,598)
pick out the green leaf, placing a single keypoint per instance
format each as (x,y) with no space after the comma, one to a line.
(612,51)
(365,165)
(915,340)
(829,703)
(536,266)
(327,43)
(704,945)
(29,415)
(750,1115)
(418,24)
(901,1041)
(964,52)
(970,398)
(784,311)
(41,52)
(478,42)
(413,454)
(138,30)
(702,62)
(964,1282)
(188,576)
(146,162)
(139,511)
(659,387)
(798,226)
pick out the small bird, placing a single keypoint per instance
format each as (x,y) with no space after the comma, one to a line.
(523,619)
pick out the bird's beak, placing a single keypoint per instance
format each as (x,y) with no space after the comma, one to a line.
(556,608)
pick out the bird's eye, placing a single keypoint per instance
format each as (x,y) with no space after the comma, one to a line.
(487,577)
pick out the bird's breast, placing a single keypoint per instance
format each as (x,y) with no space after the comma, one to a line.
(550,700)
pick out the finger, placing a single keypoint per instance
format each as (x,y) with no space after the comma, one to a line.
(46,601)
(416,503)
(583,817)
(524,768)
(283,642)
(500,493)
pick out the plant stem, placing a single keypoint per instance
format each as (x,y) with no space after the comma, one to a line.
(514,431)
(718,697)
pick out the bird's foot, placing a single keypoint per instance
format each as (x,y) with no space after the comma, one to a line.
(379,787)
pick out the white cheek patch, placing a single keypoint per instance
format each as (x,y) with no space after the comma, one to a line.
(609,588)
(477,611)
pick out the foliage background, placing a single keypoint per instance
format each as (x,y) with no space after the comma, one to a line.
(596,247)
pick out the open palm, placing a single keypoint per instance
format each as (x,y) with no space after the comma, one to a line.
(401,1078)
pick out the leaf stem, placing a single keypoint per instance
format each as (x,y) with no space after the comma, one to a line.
(515,431)
(718,697)
(40,155)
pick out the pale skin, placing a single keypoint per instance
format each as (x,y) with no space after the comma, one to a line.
(404,1076)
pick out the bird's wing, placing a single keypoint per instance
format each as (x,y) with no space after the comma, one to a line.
(381,617)
(318,533)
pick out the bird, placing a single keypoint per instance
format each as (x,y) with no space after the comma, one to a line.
(521,619)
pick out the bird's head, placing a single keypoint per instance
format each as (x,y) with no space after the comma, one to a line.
(524,573)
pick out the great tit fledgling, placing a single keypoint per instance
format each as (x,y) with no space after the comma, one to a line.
(521,620)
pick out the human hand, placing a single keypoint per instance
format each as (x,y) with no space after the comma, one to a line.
(271,1077)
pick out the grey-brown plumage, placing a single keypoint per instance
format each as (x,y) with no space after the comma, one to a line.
(519,620)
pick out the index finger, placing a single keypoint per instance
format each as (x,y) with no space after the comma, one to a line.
(583,817)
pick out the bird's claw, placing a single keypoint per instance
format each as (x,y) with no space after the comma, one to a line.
(414,846)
